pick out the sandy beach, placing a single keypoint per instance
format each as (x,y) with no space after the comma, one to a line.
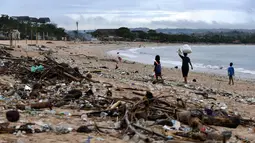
(89,56)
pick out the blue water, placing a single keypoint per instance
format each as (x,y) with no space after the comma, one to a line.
(205,58)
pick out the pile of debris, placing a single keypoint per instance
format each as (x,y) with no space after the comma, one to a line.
(142,116)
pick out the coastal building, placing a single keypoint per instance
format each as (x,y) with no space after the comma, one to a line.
(44,20)
(33,19)
(26,19)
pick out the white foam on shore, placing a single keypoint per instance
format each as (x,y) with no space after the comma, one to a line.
(128,55)
(242,70)
(134,50)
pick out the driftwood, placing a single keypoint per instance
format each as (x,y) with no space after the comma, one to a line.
(150,131)
(72,77)
(130,88)
(205,95)
(230,122)
(36,106)
(186,117)
(247,122)
(138,93)
(133,129)
(4,128)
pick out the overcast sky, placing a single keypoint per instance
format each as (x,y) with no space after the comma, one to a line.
(94,14)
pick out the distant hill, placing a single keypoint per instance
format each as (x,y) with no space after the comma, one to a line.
(185,31)
(201,31)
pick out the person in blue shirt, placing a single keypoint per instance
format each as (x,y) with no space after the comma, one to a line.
(231,73)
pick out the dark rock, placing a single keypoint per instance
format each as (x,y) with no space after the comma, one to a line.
(164,122)
(34,94)
(104,67)
(74,94)
(176,67)
(109,93)
(89,92)
(12,116)
(149,95)
(65,65)
(84,129)
(22,94)
(37,86)
(89,76)
(194,80)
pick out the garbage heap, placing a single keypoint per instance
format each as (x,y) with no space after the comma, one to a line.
(45,85)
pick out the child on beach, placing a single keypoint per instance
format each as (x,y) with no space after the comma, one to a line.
(157,68)
(185,66)
(119,60)
(231,73)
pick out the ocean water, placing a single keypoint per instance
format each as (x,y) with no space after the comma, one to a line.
(205,58)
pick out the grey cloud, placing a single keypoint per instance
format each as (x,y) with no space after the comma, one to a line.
(200,25)
(101,22)
(122,12)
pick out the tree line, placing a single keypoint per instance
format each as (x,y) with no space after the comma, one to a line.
(126,34)
(26,28)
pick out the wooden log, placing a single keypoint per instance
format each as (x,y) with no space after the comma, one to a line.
(230,122)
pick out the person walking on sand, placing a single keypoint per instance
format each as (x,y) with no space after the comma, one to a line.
(157,68)
(185,66)
(119,60)
(231,73)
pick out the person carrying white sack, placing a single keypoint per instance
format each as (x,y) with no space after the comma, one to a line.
(185,61)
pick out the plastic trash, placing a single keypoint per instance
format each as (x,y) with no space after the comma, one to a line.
(176,124)
(37,68)
(227,134)
(65,113)
(185,129)
(2,64)
(100,139)
(223,106)
(166,128)
(2,98)
(63,129)
(103,114)
(27,88)
(88,140)
(53,112)
(84,117)
(170,137)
